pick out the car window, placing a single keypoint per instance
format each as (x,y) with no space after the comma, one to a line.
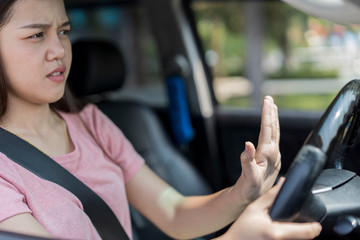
(127,26)
(255,48)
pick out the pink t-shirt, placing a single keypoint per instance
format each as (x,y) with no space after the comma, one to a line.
(58,210)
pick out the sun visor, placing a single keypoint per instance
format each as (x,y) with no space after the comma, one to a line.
(337,11)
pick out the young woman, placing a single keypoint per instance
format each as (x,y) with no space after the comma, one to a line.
(35,60)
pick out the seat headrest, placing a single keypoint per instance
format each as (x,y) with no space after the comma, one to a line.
(97,67)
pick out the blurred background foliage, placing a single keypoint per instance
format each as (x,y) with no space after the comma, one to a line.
(296,47)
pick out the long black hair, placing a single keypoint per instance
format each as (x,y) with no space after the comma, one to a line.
(6,7)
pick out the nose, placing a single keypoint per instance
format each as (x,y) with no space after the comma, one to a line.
(56,49)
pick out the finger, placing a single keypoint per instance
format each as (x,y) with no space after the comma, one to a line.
(280,182)
(276,130)
(265,135)
(266,200)
(248,154)
(297,230)
(248,163)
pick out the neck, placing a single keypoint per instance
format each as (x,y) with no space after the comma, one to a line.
(39,126)
(28,120)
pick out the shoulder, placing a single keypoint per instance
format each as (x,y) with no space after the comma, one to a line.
(90,115)
(93,116)
(8,167)
(11,177)
(90,111)
(93,120)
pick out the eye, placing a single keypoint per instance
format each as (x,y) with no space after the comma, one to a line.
(37,35)
(64,32)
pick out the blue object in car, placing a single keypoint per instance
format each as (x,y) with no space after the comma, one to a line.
(179,110)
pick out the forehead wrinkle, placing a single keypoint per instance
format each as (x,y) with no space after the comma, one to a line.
(36,25)
(37,14)
(43,26)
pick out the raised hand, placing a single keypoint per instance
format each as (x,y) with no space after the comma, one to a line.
(261,166)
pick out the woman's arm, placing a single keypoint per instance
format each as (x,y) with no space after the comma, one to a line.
(188,217)
(24,223)
(178,216)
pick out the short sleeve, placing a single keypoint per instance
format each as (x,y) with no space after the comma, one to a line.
(12,201)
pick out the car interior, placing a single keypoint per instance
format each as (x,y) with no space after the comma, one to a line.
(105,71)
(126,52)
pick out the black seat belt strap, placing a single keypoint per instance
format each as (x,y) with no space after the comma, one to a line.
(31,158)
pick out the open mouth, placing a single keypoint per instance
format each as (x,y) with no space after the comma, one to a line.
(55,74)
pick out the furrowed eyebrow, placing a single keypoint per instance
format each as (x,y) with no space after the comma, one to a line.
(65,24)
(36,25)
(44,26)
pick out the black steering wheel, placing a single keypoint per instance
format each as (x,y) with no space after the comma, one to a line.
(322,184)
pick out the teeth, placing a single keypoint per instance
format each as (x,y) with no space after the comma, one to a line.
(55,74)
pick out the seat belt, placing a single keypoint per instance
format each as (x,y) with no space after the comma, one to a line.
(31,158)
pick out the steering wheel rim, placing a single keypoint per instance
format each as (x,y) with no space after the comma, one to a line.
(337,126)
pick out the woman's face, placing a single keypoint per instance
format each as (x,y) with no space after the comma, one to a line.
(35,51)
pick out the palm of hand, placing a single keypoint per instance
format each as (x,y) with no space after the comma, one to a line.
(261,166)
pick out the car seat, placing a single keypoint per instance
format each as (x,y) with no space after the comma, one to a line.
(98,68)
